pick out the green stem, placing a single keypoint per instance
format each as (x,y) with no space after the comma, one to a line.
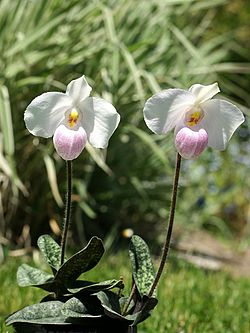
(67,210)
(170,226)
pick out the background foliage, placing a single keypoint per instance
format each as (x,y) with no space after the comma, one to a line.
(128,50)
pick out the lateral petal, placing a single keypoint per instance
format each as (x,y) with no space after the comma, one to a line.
(164,110)
(99,119)
(221,120)
(46,112)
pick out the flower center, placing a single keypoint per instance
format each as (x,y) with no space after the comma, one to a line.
(193,117)
(72,118)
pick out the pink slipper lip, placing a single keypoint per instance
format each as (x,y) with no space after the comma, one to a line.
(69,143)
(189,143)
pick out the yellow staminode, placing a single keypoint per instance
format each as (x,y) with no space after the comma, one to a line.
(73,117)
(194,118)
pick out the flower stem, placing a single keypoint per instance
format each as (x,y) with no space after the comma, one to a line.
(170,225)
(67,210)
(133,290)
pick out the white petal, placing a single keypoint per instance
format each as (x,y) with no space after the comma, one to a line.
(99,119)
(46,112)
(164,110)
(78,89)
(221,120)
(204,93)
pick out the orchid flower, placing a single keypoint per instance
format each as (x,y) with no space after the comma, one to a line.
(197,120)
(72,118)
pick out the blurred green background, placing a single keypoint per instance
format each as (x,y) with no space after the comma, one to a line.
(128,49)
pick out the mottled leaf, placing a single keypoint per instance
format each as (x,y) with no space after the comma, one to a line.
(49,297)
(90,287)
(109,299)
(42,313)
(81,262)
(30,276)
(142,266)
(74,308)
(123,302)
(50,250)
(147,305)
(111,305)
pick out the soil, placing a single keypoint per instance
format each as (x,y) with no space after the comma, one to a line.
(204,250)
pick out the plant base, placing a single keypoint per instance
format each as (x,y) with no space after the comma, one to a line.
(36,328)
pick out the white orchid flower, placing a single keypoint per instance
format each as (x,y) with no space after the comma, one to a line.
(72,118)
(198,121)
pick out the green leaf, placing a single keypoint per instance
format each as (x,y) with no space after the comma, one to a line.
(142,266)
(29,276)
(98,157)
(86,286)
(150,143)
(38,32)
(6,121)
(52,178)
(42,313)
(81,262)
(50,250)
